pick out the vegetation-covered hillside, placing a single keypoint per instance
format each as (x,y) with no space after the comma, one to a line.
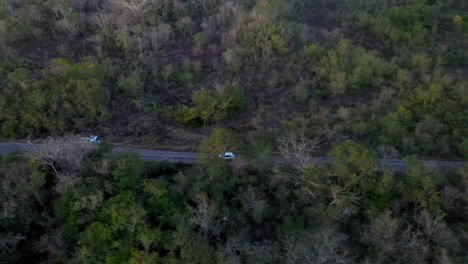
(390,74)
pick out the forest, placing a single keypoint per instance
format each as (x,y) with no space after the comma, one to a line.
(68,205)
(353,80)
(389,74)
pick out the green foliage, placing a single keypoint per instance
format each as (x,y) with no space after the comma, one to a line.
(273,10)
(98,239)
(350,69)
(290,228)
(211,106)
(187,214)
(131,86)
(294,60)
(123,40)
(200,38)
(382,192)
(110,240)
(149,238)
(187,73)
(121,256)
(20,195)
(301,94)
(37,181)
(233,60)
(124,214)
(128,173)
(410,24)
(194,248)
(353,159)
(103,148)
(421,187)
(270,38)
(63,208)
(421,120)
(380,72)
(261,148)
(150,140)
(141,257)
(219,141)
(315,52)
(18,79)
(163,202)
(72,96)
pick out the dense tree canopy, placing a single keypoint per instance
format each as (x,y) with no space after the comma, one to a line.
(355,80)
(124,210)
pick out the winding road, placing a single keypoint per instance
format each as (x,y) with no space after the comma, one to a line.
(191,157)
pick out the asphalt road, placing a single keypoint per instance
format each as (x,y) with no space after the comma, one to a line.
(191,157)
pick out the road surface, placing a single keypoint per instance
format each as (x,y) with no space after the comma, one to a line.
(191,157)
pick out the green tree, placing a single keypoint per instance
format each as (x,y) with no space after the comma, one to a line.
(142,257)
(124,213)
(70,96)
(96,243)
(353,162)
(128,172)
(211,106)
(219,141)
(421,187)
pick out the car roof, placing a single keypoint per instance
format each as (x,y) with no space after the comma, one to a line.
(228,153)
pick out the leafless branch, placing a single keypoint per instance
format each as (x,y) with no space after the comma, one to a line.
(64,157)
(298,149)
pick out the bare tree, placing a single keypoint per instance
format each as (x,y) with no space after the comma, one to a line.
(235,247)
(61,8)
(3,26)
(435,229)
(106,24)
(382,233)
(319,247)
(343,202)
(415,250)
(205,214)
(87,4)
(262,253)
(52,243)
(136,8)
(204,5)
(62,156)
(10,241)
(133,5)
(185,25)
(443,257)
(298,149)
(388,152)
(452,199)
(63,11)
(159,36)
(17,185)
(253,201)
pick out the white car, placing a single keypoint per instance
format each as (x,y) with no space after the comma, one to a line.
(227,156)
